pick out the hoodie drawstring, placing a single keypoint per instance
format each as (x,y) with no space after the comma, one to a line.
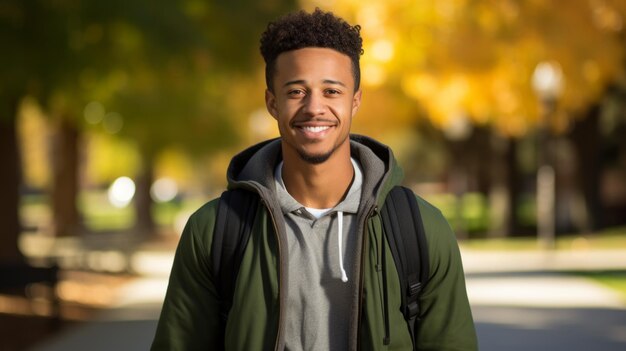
(344,276)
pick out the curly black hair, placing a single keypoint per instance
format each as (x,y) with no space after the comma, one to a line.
(317,29)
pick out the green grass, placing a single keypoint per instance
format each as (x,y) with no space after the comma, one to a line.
(613,238)
(514,244)
(472,213)
(98,214)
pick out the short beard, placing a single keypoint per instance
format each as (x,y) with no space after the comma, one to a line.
(318,159)
(315,159)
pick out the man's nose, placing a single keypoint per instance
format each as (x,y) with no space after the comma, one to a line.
(313,104)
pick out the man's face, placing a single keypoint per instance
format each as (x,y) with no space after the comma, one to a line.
(313,102)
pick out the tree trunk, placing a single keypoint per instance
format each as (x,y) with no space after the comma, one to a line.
(144,224)
(65,180)
(498,193)
(481,153)
(586,139)
(514,185)
(9,184)
(458,183)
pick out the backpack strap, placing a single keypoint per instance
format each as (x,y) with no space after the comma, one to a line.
(236,212)
(407,241)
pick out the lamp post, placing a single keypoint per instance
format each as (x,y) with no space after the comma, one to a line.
(547,82)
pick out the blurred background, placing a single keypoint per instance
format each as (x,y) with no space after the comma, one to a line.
(118,120)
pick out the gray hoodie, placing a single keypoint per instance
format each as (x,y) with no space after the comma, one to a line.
(319,292)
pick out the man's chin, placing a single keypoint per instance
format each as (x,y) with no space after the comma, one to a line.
(315,159)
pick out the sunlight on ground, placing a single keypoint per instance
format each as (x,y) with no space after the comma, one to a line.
(554,291)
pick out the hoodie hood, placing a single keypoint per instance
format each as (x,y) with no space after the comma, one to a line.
(253,168)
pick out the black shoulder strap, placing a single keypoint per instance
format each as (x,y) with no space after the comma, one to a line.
(233,224)
(407,240)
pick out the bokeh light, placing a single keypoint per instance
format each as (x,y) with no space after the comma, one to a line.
(164,190)
(94,112)
(121,192)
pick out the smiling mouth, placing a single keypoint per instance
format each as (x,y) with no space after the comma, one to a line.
(316,129)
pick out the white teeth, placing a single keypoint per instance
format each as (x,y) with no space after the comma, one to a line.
(315,129)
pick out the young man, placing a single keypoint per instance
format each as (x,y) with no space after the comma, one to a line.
(310,276)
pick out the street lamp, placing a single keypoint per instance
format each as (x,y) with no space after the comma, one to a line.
(547,81)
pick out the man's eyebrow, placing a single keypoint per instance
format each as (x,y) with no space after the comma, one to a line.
(302,81)
(330,81)
(294,82)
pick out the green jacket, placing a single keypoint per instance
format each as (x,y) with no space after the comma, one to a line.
(190,316)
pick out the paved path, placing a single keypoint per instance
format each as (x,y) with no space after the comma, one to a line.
(131,324)
(481,261)
(526,300)
(520,301)
(550,329)
(129,328)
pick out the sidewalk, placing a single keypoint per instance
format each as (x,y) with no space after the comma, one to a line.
(536,279)
(485,261)
(526,279)
(131,323)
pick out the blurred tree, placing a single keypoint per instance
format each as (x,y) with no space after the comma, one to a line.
(474,59)
(470,60)
(69,53)
(179,88)
(49,52)
(9,182)
(15,63)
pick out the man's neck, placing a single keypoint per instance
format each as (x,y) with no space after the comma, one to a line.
(318,185)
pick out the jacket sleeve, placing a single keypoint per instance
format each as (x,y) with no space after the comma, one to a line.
(190,316)
(446,319)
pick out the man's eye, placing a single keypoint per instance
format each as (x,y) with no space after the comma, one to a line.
(295,93)
(332,92)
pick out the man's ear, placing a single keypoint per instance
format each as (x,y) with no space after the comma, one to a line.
(270,103)
(356,102)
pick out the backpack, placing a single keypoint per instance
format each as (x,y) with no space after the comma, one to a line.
(403,229)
